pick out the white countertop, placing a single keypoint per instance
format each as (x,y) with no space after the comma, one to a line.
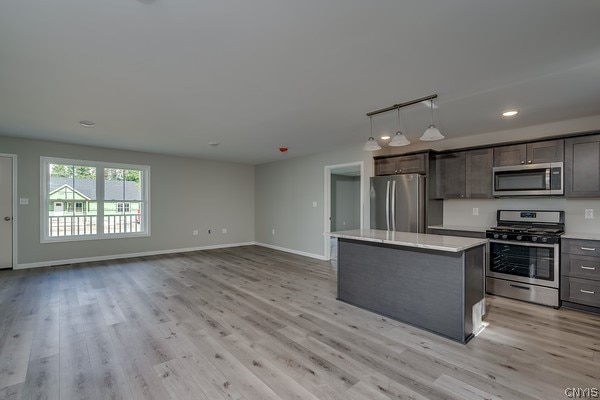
(421,240)
(458,228)
(585,236)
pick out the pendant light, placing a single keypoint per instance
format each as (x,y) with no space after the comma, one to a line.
(371,144)
(399,139)
(432,133)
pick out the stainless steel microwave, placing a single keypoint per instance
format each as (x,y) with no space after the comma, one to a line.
(529,180)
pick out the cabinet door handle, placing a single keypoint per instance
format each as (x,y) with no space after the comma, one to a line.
(529,162)
(588,249)
(522,162)
(590,268)
(586,291)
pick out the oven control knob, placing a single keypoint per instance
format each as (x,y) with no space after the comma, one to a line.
(544,239)
(519,237)
(496,236)
(504,236)
(534,239)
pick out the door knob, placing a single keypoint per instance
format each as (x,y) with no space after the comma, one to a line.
(7,218)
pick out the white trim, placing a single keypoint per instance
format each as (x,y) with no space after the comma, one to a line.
(327,200)
(100,167)
(14,208)
(298,252)
(128,255)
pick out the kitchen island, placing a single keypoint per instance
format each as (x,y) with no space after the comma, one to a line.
(433,282)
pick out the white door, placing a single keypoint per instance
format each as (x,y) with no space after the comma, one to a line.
(6,212)
(58,208)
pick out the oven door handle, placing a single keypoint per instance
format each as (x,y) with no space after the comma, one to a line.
(526,244)
(519,286)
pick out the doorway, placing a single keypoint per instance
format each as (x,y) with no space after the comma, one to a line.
(344,187)
(7,210)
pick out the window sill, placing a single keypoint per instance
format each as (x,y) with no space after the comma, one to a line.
(82,238)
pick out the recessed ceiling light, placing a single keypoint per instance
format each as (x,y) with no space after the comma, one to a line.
(214,144)
(510,113)
(385,137)
(87,124)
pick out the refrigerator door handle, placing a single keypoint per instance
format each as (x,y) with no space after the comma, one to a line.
(387,205)
(393,202)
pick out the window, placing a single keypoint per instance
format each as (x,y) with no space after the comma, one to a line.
(93,200)
(123,208)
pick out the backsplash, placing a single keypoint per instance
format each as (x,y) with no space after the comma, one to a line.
(460,212)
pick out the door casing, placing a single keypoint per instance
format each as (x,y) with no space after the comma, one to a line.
(13,158)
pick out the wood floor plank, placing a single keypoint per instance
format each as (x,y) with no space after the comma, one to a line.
(12,392)
(109,379)
(252,323)
(42,381)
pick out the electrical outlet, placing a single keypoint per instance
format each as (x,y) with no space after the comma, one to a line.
(589,213)
(195,232)
(314,203)
(273,231)
(224,230)
(475,211)
(23,201)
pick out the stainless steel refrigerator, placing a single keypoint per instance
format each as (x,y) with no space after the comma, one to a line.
(398,203)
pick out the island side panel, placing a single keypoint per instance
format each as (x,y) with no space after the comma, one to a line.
(474,283)
(420,287)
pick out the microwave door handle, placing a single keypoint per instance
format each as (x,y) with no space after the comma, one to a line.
(548,170)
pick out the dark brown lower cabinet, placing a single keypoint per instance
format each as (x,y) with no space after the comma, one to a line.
(580,274)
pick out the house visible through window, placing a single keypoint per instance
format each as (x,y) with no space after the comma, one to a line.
(87,199)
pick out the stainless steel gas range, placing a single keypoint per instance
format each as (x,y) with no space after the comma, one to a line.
(524,255)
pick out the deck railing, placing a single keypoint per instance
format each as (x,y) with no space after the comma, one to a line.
(79,225)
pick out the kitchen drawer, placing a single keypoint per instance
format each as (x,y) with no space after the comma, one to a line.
(581,247)
(580,266)
(582,291)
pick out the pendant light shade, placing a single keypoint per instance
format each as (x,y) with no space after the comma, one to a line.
(371,144)
(399,139)
(432,133)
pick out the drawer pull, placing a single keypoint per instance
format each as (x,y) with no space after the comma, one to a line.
(587,291)
(588,249)
(590,268)
(520,287)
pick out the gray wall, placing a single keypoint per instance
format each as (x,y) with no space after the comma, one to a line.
(186,194)
(345,202)
(285,191)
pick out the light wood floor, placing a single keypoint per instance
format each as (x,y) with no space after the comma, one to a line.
(253,323)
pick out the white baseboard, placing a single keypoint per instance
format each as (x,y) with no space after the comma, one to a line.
(300,253)
(128,255)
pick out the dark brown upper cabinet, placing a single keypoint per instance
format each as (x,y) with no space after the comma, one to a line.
(582,167)
(464,174)
(529,153)
(409,164)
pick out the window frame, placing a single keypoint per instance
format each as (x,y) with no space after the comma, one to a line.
(100,166)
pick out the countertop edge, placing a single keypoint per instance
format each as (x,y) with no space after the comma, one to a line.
(581,236)
(474,242)
(458,228)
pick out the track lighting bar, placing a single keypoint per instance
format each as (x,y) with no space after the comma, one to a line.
(401,105)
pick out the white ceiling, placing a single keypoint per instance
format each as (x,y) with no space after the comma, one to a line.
(170,76)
